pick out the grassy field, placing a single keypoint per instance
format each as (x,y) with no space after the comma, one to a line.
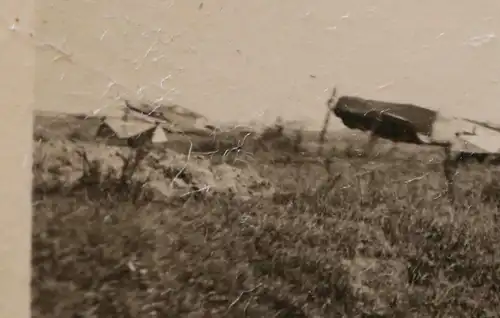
(374,238)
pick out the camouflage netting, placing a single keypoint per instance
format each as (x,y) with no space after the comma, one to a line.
(59,165)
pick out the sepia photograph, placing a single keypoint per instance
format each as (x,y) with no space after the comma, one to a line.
(218,158)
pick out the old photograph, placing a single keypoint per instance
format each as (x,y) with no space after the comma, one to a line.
(266,159)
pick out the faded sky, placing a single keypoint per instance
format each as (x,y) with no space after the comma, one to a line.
(242,60)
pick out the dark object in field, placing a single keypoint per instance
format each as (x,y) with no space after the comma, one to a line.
(396,122)
(461,138)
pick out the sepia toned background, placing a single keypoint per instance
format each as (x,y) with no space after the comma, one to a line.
(244,60)
(232,61)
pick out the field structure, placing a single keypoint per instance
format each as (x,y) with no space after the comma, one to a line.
(461,139)
(239,222)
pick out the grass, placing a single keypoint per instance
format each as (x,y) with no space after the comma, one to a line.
(373,239)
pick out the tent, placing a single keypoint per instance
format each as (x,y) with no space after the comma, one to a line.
(131,133)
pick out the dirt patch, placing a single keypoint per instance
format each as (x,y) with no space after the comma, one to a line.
(162,173)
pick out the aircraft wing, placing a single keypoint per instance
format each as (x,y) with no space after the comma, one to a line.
(482,140)
(489,125)
(466,136)
(145,112)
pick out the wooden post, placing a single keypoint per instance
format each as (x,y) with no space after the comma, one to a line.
(330,106)
(322,134)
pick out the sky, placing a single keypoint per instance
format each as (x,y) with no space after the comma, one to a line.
(240,61)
